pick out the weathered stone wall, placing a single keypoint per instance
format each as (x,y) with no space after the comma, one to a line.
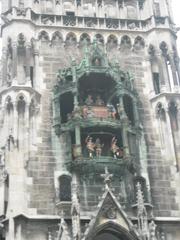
(49,156)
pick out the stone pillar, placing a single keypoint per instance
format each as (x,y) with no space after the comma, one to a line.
(14,59)
(4,65)
(36,64)
(124,122)
(136,114)
(121,110)
(28,58)
(173,68)
(56,111)
(15,127)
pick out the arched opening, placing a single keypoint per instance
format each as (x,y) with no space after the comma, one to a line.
(65,188)
(71,40)
(66,106)
(21,107)
(57,39)
(84,40)
(125,42)
(112,42)
(99,86)
(139,43)
(106,235)
(112,231)
(129,108)
(99,38)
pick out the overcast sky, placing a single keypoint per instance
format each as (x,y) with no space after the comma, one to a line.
(176,13)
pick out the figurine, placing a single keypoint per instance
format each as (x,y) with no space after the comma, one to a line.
(112,111)
(99,101)
(99,147)
(89,101)
(117,151)
(90,146)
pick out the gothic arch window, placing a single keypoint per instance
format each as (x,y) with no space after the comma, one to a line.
(71,39)
(57,38)
(112,42)
(43,36)
(84,39)
(125,42)
(139,43)
(99,38)
(65,188)
(173,111)
(21,107)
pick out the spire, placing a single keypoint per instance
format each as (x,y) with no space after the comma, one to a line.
(75,210)
(142,215)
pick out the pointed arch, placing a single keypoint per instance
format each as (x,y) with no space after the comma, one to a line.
(43,36)
(57,38)
(99,38)
(139,43)
(112,230)
(21,40)
(71,39)
(84,39)
(126,42)
(112,41)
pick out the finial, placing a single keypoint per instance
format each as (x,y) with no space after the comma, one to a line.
(107,178)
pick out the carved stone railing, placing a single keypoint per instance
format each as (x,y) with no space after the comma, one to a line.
(86,22)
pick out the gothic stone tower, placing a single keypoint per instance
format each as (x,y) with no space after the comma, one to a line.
(89,124)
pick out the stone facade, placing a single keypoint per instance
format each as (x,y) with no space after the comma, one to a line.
(56,54)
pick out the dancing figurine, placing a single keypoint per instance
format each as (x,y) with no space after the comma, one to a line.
(90,146)
(117,152)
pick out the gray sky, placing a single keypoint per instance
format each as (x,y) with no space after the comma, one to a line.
(176,13)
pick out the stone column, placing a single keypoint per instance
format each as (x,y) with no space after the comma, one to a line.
(14,59)
(4,64)
(28,58)
(173,68)
(36,64)
(124,122)
(56,111)
(15,127)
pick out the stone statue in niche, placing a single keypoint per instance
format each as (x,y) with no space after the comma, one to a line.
(98,147)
